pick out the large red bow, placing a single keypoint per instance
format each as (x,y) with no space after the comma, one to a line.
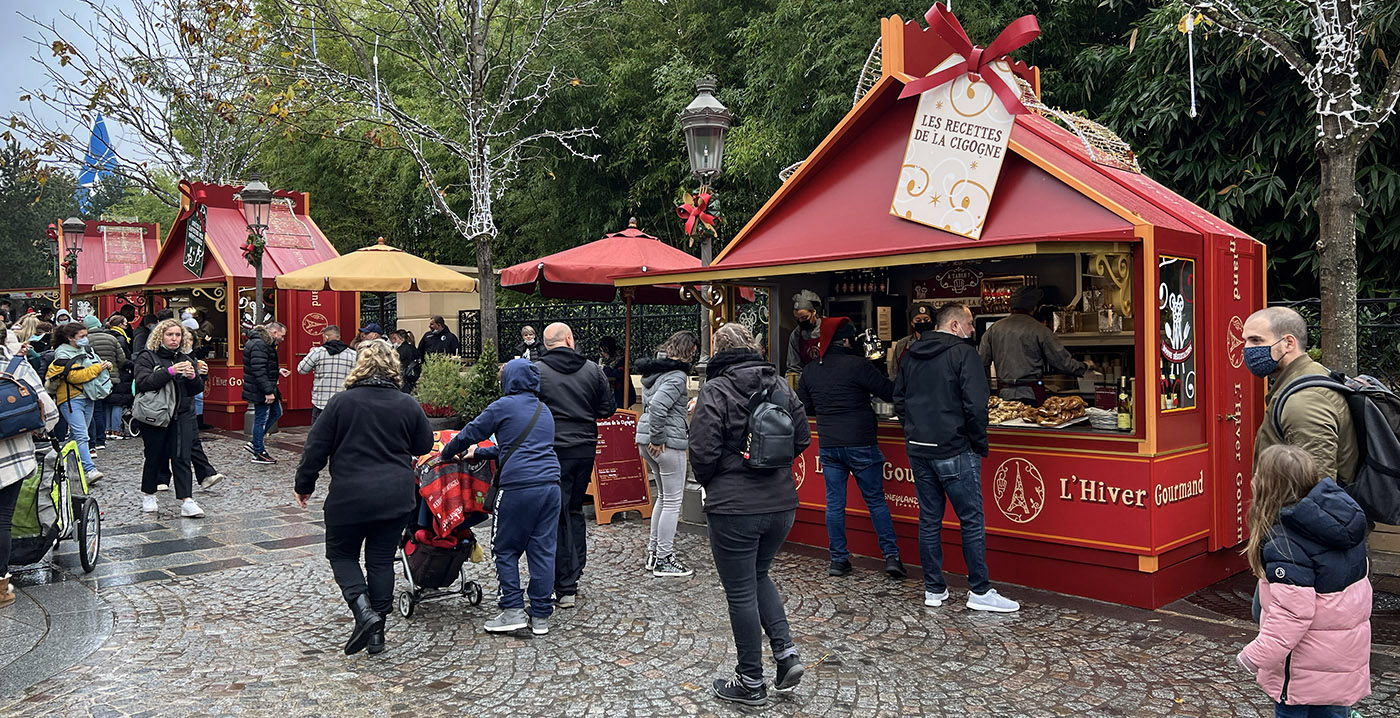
(691,212)
(977,60)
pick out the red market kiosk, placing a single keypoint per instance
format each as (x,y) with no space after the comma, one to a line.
(201,265)
(110,250)
(1140,517)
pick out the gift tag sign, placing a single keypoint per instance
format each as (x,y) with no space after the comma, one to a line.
(956,147)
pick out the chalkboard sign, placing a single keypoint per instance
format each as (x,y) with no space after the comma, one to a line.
(619,475)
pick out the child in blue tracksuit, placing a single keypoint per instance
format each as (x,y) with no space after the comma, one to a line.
(527,506)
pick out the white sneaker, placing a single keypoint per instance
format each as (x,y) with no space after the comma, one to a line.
(209,481)
(991,601)
(162,487)
(148,504)
(935,600)
(191,510)
(93,476)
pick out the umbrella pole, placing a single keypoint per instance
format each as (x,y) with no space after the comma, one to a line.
(627,350)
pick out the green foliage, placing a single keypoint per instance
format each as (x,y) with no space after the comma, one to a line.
(482,384)
(441,388)
(30,199)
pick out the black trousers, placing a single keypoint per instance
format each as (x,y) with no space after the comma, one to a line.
(572,552)
(8,496)
(378,540)
(168,454)
(202,468)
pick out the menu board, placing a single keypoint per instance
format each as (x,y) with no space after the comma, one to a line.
(124,245)
(284,229)
(619,474)
(194,241)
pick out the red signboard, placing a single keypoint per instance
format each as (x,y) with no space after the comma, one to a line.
(619,474)
(285,230)
(125,245)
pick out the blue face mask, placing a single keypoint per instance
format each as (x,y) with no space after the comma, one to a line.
(1260,361)
(82,342)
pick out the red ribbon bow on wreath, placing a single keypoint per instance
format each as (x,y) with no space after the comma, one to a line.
(977,60)
(691,212)
(251,251)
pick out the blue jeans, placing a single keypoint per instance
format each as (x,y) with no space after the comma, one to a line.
(199,404)
(958,480)
(263,416)
(1283,711)
(78,411)
(97,428)
(526,521)
(744,546)
(866,464)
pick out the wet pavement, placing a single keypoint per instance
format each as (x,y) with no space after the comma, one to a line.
(237,613)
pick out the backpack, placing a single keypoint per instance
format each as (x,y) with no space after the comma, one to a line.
(53,383)
(20,410)
(1375,411)
(769,433)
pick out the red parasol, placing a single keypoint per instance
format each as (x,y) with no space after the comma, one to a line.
(586,272)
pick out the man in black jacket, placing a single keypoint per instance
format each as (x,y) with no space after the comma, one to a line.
(577,394)
(438,340)
(260,375)
(941,397)
(836,388)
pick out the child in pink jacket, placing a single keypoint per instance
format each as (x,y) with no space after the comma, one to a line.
(1308,545)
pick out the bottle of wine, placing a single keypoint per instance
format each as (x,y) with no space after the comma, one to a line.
(1125,406)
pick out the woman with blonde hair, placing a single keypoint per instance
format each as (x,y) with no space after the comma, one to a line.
(1307,546)
(168,448)
(370,434)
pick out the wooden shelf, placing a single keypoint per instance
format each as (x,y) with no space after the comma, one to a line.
(1096,339)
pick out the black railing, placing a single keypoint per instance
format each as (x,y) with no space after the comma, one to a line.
(369,310)
(1377,334)
(651,325)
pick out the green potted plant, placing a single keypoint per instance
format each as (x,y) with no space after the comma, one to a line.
(481,385)
(440,391)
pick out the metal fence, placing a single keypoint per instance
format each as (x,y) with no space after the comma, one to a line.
(590,321)
(1377,334)
(369,310)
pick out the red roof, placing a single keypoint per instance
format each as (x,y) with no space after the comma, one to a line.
(586,271)
(112,250)
(293,240)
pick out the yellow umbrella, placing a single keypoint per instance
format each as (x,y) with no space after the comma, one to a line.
(134,280)
(377,268)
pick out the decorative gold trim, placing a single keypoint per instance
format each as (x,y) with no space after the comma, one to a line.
(1117,268)
(217,295)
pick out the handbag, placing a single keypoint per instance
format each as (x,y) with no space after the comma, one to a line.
(156,408)
(493,494)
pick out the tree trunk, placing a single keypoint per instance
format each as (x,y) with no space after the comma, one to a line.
(1337,205)
(486,284)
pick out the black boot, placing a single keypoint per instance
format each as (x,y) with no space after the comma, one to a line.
(203,426)
(367,620)
(376,637)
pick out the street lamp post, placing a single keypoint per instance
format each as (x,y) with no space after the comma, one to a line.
(74,230)
(256,197)
(705,121)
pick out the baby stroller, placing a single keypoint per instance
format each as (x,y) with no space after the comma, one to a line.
(49,510)
(439,542)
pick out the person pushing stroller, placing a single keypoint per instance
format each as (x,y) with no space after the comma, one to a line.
(526,518)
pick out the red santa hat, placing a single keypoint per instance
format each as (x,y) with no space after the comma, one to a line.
(834,329)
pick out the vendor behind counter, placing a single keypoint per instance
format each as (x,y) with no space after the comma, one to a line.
(1025,350)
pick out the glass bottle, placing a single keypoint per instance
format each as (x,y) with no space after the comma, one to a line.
(1125,406)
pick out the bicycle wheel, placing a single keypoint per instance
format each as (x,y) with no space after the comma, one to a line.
(89,534)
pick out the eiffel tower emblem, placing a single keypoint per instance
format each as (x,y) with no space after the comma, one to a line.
(1018,497)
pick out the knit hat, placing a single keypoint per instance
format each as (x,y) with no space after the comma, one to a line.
(1026,299)
(920,313)
(91,322)
(833,330)
(806,299)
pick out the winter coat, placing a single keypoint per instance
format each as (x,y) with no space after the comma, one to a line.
(578,394)
(533,462)
(85,369)
(664,402)
(836,389)
(260,372)
(1315,420)
(371,434)
(717,431)
(152,371)
(1024,351)
(1314,643)
(796,360)
(17,460)
(941,397)
(528,351)
(443,342)
(108,347)
(331,362)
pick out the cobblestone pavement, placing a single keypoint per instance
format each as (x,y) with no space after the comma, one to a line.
(237,614)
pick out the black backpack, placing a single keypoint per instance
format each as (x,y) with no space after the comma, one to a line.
(1375,412)
(769,433)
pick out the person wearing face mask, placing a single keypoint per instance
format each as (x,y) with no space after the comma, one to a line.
(78,379)
(260,375)
(941,399)
(803,343)
(529,347)
(1025,350)
(402,342)
(1315,419)
(438,340)
(921,321)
